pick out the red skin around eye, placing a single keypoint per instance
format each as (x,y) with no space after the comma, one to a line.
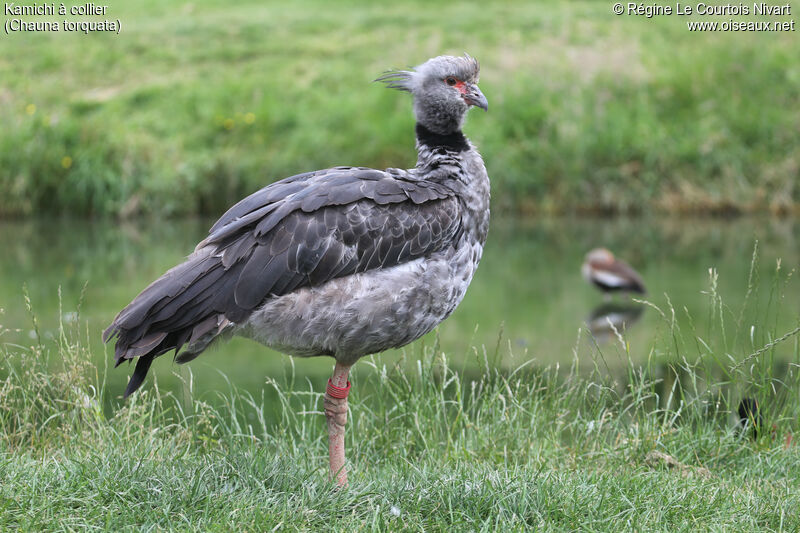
(461,86)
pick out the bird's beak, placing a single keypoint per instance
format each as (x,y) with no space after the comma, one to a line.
(474,96)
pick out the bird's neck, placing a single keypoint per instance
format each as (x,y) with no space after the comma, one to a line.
(452,162)
(439,156)
(452,142)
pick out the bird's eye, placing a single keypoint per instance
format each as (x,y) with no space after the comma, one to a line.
(451,81)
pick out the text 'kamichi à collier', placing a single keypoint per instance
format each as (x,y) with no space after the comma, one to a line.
(89,8)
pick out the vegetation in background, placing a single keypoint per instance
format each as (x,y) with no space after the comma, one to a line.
(434,448)
(196,104)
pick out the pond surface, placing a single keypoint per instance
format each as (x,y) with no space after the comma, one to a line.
(528,291)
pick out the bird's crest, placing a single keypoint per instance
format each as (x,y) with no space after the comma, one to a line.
(397,79)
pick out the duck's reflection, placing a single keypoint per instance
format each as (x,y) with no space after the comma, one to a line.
(610,316)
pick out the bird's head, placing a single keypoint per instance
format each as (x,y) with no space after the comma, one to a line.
(444,88)
(600,256)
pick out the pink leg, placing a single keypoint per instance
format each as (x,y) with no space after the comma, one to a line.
(336,413)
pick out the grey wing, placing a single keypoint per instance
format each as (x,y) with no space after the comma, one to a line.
(308,249)
(263,248)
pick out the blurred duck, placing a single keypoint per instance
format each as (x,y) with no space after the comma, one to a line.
(610,274)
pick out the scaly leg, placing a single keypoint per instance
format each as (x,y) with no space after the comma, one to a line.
(336,413)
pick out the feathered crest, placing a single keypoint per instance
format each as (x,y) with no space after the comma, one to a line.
(472,67)
(397,79)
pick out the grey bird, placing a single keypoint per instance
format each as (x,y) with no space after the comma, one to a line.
(344,262)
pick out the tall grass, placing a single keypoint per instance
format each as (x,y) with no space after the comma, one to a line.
(433,448)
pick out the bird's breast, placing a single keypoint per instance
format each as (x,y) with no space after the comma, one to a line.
(475,197)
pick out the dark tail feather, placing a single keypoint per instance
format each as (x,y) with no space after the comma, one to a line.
(139,373)
(192,302)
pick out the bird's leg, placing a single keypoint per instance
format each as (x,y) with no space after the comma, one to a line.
(336,413)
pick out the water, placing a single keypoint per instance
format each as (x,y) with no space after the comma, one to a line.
(527,293)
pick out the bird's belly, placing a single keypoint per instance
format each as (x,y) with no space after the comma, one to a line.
(368,312)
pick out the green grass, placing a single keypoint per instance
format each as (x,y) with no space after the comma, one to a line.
(194,105)
(432,447)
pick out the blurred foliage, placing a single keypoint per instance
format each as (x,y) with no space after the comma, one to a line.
(196,104)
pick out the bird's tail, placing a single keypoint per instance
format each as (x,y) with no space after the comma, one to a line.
(182,307)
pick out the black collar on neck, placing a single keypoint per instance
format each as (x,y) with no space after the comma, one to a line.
(454,142)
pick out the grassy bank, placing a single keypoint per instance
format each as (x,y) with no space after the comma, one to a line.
(194,105)
(434,448)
